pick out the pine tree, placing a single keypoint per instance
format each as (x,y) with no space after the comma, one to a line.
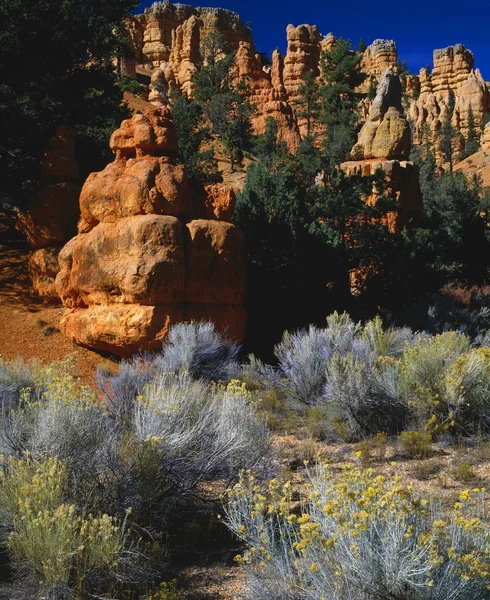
(361,47)
(447,136)
(58,65)
(308,105)
(341,75)
(472,144)
(192,132)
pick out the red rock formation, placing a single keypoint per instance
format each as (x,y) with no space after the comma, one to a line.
(185,55)
(380,55)
(135,268)
(452,75)
(268,94)
(157,24)
(303,55)
(383,141)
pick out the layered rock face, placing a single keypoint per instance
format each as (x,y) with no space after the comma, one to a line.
(155,27)
(452,79)
(302,56)
(51,217)
(378,57)
(142,260)
(384,143)
(268,94)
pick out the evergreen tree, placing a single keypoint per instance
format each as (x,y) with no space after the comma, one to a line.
(308,105)
(213,47)
(447,136)
(362,47)
(57,67)
(341,74)
(192,132)
(472,140)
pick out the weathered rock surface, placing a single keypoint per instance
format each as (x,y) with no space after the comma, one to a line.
(219,202)
(383,142)
(136,267)
(386,133)
(378,57)
(153,42)
(43,268)
(185,55)
(303,55)
(268,94)
(452,80)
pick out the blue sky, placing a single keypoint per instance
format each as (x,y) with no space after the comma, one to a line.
(417,27)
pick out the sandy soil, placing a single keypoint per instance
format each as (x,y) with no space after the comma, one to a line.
(29,327)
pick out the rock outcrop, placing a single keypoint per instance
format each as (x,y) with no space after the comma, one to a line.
(302,56)
(386,133)
(143,258)
(153,30)
(50,219)
(384,144)
(453,81)
(268,94)
(378,57)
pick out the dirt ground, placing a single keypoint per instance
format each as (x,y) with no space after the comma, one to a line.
(29,327)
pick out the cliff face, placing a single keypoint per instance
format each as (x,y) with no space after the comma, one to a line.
(152,31)
(167,42)
(452,80)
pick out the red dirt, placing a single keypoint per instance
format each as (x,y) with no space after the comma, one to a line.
(28,327)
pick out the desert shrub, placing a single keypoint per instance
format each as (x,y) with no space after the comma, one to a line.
(425,469)
(302,357)
(415,444)
(363,537)
(58,551)
(465,473)
(197,433)
(364,397)
(156,456)
(467,389)
(386,342)
(16,379)
(422,368)
(123,387)
(198,350)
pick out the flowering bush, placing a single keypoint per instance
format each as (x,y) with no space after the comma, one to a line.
(365,537)
(58,551)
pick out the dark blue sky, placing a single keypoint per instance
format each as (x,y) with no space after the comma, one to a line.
(417,27)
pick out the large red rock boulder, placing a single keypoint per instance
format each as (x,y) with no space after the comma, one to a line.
(140,263)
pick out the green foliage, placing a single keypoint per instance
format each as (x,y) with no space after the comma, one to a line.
(447,137)
(449,242)
(226,106)
(308,105)
(361,46)
(416,444)
(472,144)
(57,68)
(341,74)
(192,132)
